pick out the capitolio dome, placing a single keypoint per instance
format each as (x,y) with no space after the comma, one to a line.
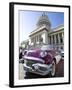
(44,20)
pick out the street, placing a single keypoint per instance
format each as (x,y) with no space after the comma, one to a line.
(24,75)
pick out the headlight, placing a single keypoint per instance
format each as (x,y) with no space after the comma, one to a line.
(43,53)
(35,66)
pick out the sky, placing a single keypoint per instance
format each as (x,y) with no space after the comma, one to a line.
(29,19)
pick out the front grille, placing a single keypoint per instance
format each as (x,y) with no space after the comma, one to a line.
(42,68)
(31,62)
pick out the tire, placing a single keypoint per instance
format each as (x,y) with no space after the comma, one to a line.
(53,69)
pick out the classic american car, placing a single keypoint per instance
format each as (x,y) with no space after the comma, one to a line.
(42,61)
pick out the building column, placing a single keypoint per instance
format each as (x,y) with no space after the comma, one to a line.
(38,38)
(58,38)
(51,39)
(55,38)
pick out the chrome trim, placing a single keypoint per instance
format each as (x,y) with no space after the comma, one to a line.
(34,58)
(37,70)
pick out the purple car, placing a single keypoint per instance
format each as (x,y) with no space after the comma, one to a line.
(42,61)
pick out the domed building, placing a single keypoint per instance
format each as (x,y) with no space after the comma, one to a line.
(44,20)
(43,34)
(40,34)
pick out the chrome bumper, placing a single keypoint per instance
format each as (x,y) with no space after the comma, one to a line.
(41,69)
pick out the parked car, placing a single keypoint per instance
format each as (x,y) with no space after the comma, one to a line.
(42,61)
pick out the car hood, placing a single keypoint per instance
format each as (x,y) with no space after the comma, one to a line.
(34,59)
(34,53)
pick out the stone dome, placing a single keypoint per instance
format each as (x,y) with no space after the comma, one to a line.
(44,20)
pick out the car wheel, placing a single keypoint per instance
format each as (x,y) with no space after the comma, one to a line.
(53,69)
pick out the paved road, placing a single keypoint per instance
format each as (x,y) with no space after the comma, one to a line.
(59,72)
(60,69)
